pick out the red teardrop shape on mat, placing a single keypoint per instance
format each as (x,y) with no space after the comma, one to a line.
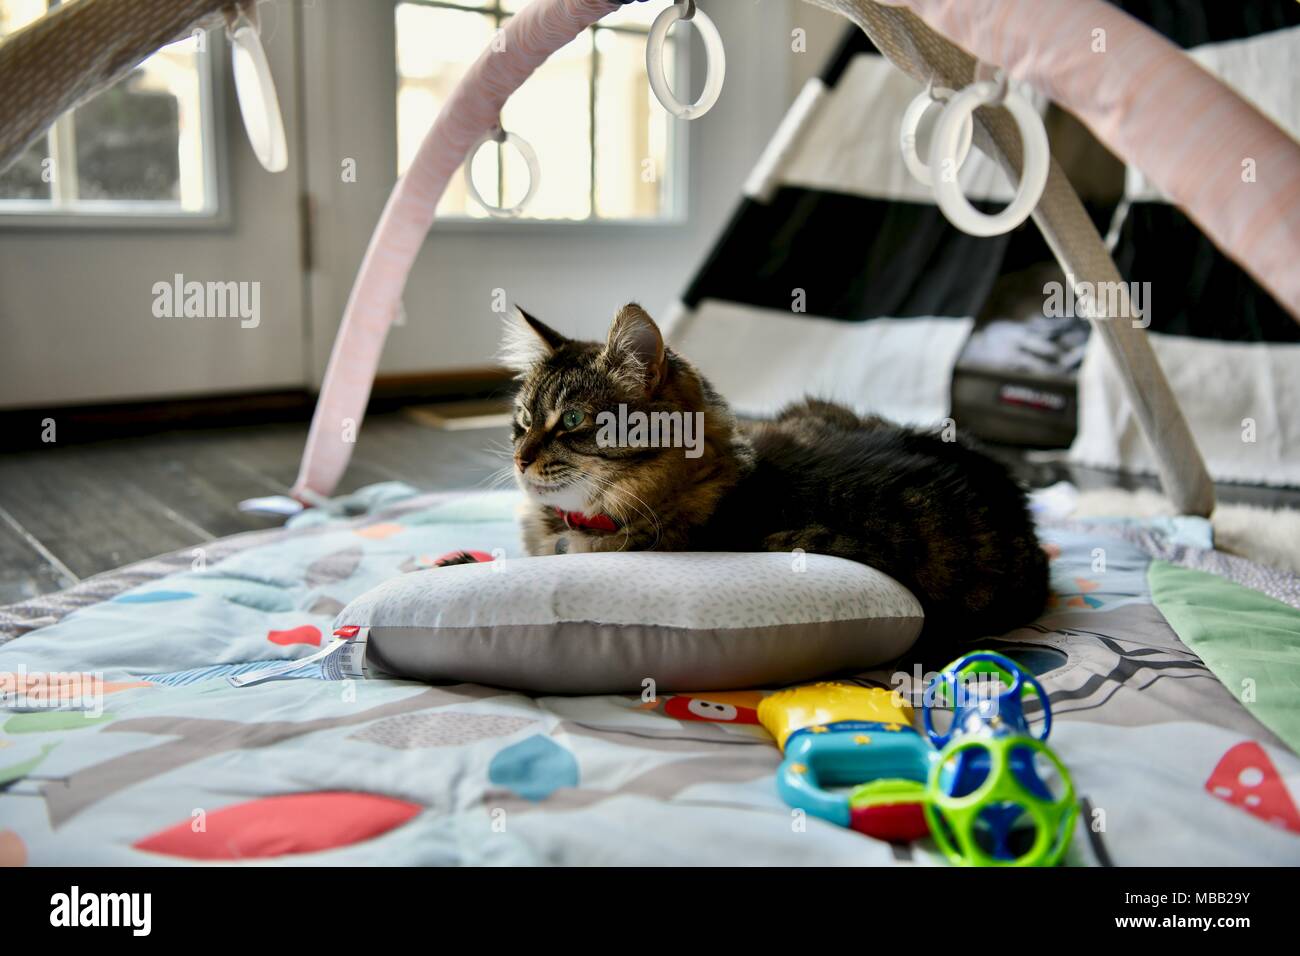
(1245,777)
(306,634)
(283,825)
(13,852)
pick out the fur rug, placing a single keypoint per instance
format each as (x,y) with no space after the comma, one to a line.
(1264,535)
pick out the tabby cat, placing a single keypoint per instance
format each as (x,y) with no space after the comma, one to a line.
(945,520)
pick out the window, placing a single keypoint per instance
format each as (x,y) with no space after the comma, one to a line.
(141,147)
(604,144)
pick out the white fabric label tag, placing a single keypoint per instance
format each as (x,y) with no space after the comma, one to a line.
(288,667)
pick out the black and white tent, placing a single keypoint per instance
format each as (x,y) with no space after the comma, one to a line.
(1229,349)
(839,276)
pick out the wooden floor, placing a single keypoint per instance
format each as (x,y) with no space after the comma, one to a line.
(71,511)
(68,512)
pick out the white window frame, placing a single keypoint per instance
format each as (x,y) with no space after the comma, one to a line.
(140,213)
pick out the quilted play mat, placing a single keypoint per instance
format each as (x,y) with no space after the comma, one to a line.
(1173,672)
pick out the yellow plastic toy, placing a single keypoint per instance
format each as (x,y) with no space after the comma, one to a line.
(841,734)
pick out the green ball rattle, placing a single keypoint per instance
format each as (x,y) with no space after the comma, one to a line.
(988,804)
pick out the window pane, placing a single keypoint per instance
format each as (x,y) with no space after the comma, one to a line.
(143,138)
(28,176)
(434,49)
(617,168)
(637,14)
(553,112)
(632,131)
(16,14)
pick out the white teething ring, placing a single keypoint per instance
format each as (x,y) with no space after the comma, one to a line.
(912,120)
(255,90)
(943,150)
(716,58)
(498,135)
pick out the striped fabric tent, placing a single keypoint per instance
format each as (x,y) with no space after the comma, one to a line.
(838,275)
(1210,320)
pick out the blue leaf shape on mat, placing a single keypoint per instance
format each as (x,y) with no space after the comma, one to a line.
(534,768)
(152,597)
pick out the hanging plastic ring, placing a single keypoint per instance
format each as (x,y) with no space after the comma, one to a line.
(944,144)
(912,121)
(716,59)
(498,135)
(255,90)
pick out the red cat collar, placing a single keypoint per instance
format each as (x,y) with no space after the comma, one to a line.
(577,521)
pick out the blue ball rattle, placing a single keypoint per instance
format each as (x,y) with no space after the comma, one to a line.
(978,712)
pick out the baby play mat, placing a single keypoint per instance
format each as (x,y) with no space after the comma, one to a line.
(1172,671)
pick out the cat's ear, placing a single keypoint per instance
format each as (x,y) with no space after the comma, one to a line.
(635,348)
(526,341)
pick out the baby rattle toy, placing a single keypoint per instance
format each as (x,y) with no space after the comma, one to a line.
(835,735)
(978,788)
(988,802)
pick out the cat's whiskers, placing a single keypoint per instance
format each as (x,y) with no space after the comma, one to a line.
(499,449)
(502,476)
(498,478)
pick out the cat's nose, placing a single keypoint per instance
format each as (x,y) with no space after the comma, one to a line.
(523,460)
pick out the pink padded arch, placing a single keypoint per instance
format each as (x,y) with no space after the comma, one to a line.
(530,37)
(1157,109)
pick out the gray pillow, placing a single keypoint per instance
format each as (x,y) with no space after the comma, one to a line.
(605,623)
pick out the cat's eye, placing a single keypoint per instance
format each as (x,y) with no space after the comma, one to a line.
(572,418)
(525,419)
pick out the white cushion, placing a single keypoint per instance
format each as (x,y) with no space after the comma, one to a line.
(605,623)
